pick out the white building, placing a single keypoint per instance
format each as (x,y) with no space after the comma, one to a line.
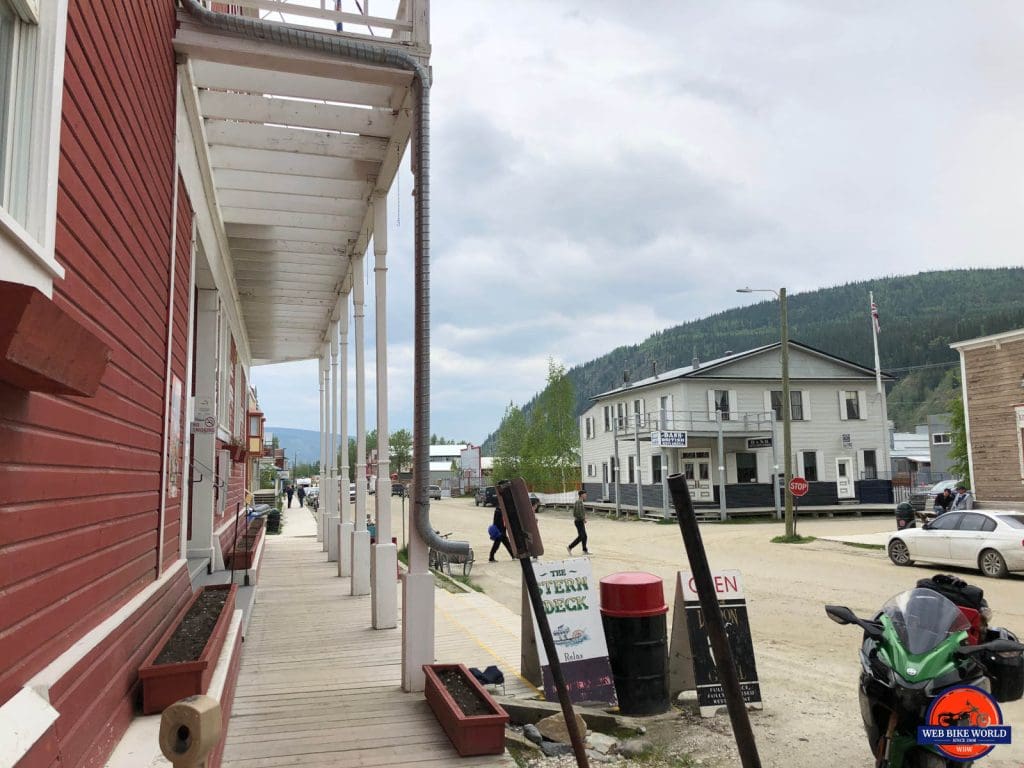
(719,424)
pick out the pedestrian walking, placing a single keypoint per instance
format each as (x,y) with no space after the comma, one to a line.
(289,491)
(301,493)
(579,517)
(497,529)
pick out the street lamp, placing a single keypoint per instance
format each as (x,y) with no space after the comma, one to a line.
(781,296)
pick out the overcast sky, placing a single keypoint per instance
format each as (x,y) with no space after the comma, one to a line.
(604,170)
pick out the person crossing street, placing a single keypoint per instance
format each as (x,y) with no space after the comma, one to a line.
(579,518)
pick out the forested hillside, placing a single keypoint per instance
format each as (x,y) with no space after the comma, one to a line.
(920,316)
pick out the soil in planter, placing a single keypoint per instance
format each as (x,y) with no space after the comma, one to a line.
(189,639)
(247,540)
(467,697)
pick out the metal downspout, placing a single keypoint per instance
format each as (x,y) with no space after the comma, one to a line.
(367,53)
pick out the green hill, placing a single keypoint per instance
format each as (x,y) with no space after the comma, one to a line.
(920,316)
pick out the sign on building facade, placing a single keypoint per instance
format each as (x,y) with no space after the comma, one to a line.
(668,438)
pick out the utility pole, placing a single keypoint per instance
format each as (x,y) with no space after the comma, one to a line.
(786,415)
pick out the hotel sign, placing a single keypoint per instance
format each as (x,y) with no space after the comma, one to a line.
(758,442)
(671,438)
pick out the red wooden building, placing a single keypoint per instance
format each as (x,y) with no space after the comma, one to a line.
(131,311)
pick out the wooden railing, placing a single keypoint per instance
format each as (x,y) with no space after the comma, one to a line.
(410,25)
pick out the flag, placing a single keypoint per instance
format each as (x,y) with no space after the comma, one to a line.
(874,318)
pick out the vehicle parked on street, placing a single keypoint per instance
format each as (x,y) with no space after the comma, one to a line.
(397,489)
(351,491)
(486,495)
(434,492)
(990,540)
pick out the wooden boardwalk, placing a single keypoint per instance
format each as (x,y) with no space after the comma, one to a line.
(319,687)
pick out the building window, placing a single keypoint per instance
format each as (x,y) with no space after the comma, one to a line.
(620,415)
(940,438)
(590,470)
(870,466)
(665,411)
(852,402)
(31,87)
(604,472)
(722,403)
(607,418)
(796,404)
(638,413)
(746,468)
(656,468)
(588,427)
(631,470)
(810,466)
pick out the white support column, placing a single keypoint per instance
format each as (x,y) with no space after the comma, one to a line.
(322,375)
(360,536)
(324,512)
(332,520)
(384,558)
(201,543)
(347,508)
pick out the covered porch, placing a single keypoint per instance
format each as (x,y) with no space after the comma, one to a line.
(294,119)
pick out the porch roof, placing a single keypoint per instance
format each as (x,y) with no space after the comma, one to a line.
(293,147)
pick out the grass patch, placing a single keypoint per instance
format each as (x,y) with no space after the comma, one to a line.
(796,539)
(747,520)
(403,555)
(666,521)
(467,582)
(858,545)
(521,755)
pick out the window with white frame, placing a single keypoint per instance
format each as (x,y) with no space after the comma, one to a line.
(851,405)
(607,418)
(796,404)
(638,412)
(722,403)
(631,469)
(620,414)
(590,470)
(656,468)
(32,36)
(941,438)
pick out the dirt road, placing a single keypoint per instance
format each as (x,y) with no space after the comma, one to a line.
(807,665)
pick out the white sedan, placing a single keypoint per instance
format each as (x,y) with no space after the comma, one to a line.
(989,540)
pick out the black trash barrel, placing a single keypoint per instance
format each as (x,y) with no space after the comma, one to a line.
(633,612)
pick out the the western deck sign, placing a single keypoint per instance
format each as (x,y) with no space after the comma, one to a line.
(572,604)
(692,661)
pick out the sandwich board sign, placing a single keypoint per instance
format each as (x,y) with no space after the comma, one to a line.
(572,605)
(691,659)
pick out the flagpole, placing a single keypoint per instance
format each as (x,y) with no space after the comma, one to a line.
(885,465)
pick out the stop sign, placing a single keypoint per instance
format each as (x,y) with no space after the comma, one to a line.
(798,486)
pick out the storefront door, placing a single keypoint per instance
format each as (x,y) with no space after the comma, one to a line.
(844,479)
(698,478)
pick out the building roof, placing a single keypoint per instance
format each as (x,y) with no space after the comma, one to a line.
(702,368)
(988,341)
(453,451)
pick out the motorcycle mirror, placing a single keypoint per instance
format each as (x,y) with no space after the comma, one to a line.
(840,614)
(1001,645)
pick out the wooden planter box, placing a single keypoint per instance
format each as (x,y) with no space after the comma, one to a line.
(164,684)
(470,735)
(240,556)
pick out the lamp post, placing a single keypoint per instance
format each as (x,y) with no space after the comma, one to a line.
(786,418)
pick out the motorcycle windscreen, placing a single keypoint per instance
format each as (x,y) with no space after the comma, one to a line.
(923,618)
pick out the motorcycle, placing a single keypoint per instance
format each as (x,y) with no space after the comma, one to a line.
(913,651)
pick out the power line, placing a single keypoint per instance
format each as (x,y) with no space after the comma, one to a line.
(919,367)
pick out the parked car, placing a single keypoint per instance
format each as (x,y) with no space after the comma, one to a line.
(434,491)
(921,498)
(351,491)
(397,489)
(486,495)
(535,502)
(990,540)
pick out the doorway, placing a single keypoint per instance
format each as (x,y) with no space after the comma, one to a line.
(698,479)
(844,478)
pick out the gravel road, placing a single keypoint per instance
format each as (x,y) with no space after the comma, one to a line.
(807,665)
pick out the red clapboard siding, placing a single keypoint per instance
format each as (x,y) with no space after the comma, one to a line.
(80,478)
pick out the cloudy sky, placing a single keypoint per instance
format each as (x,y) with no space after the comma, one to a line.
(602,170)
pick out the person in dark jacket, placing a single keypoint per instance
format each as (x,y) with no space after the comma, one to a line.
(499,523)
(943,502)
(301,493)
(289,492)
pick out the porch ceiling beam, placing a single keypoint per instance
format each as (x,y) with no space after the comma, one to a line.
(282,81)
(220,105)
(269,161)
(287,247)
(238,198)
(286,261)
(289,218)
(355,19)
(261,181)
(271,232)
(255,307)
(298,140)
(254,272)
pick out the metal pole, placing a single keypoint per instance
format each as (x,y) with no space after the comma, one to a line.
(715,625)
(616,472)
(786,415)
(722,515)
(639,479)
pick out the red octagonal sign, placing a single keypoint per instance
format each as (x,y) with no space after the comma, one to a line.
(798,486)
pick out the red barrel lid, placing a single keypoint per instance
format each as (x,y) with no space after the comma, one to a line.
(632,595)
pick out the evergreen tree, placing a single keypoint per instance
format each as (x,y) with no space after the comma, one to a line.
(961,466)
